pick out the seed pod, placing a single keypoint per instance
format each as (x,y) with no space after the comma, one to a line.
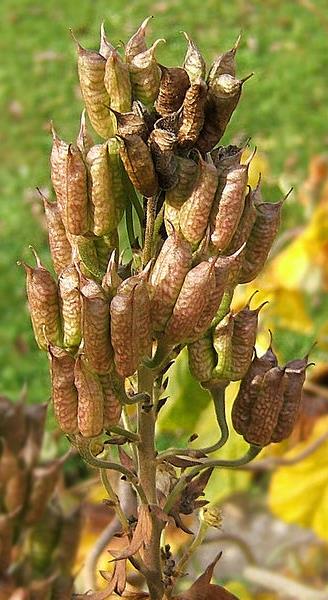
(222,342)
(105,47)
(90,400)
(202,358)
(172,90)
(64,392)
(43,303)
(117,83)
(192,119)
(139,165)
(145,75)
(43,539)
(76,209)
(96,330)
(162,144)
(243,340)
(131,123)
(187,176)
(130,324)
(170,123)
(68,542)
(70,306)
(84,140)
(91,70)
(266,407)
(224,63)
(111,280)
(294,380)
(194,63)
(6,541)
(43,482)
(112,405)
(15,491)
(105,246)
(87,257)
(196,210)
(60,248)
(171,218)
(169,272)
(137,43)
(58,164)
(245,224)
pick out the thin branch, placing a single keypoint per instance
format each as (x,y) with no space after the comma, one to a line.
(90,567)
(115,501)
(129,435)
(197,541)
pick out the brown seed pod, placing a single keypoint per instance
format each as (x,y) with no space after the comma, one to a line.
(194,64)
(137,43)
(171,218)
(139,165)
(170,123)
(60,248)
(266,408)
(43,303)
(243,340)
(187,175)
(245,224)
(112,405)
(84,140)
(70,302)
(192,117)
(168,274)
(131,123)
(224,63)
(42,484)
(105,47)
(172,90)
(90,400)
(15,491)
(294,380)
(117,83)
(96,329)
(145,75)
(222,342)
(76,209)
(195,212)
(162,144)
(58,164)
(91,70)
(202,358)
(6,542)
(64,392)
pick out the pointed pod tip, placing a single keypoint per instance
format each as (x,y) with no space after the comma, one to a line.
(74,38)
(237,42)
(244,79)
(36,256)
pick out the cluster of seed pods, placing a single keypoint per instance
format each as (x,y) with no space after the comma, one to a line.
(160,128)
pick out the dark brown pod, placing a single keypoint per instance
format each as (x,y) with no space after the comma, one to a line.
(162,144)
(139,165)
(202,358)
(64,392)
(131,123)
(43,482)
(295,371)
(192,118)
(96,328)
(60,248)
(266,408)
(186,180)
(243,340)
(15,491)
(172,90)
(245,224)
(112,405)
(224,63)
(90,400)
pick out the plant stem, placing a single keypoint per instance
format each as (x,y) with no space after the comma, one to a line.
(149,231)
(116,503)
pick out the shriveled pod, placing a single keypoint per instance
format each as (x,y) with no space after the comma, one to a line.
(58,168)
(170,123)
(76,209)
(105,246)
(222,342)
(131,123)
(42,295)
(171,218)
(87,257)
(90,399)
(224,63)
(145,75)
(105,47)
(64,392)
(266,408)
(60,248)
(91,69)
(139,165)
(194,63)
(243,340)
(195,212)
(42,484)
(112,405)
(202,358)
(192,118)
(162,145)
(96,328)
(172,90)
(295,371)
(167,277)
(137,43)
(187,176)
(131,324)
(245,224)
(84,140)
(117,83)
(70,302)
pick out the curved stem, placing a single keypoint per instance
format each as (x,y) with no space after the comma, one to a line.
(129,224)
(114,498)
(130,435)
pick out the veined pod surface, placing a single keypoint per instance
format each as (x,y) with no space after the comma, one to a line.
(222,342)
(195,212)
(117,83)
(58,168)
(243,340)
(172,90)
(76,209)
(245,224)
(131,123)
(187,176)
(96,328)
(86,251)
(295,371)
(64,392)
(162,144)
(91,70)
(202,358)
(170,269)
(90,399)
(137,43)
(105,246)
(70,302)
(60,248)
(194,63)
(112,405)
(266,407)
(145,75)
(139,165)
(224,63)
(171,218)
(192,118)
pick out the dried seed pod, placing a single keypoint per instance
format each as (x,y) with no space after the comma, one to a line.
(130,324)
(90,400)
(145,75)
(245,224)
(202,358)
(224,63)
(194,63)
(192,118)
(112,405)
(6,541)
(91,70)
(172,90)
(76,208)
(96,330)
(111,280)
(187,176)
(105,246)
(60,248)
(171,218)
(195,212)
(64,392)
(15,491)
(58,165)
(43,482)
(266,408)
(84,140)
(162,144)
(243,340)
(131,123)
(222,342)
(170,269)
(139,165)
(87,257)
(170,123)
(117,83)
(70,301)
(105,47)
(43,539)
(294,380)
(137,43)
(43,303)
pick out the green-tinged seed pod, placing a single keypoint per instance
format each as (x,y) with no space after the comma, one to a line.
(60,248)
(145,75)
(96,329)
(43,303)
(266,408)
(202,358)
(43,539)
(76,209)
(117,83)
(112,405)
(131,123)
(84,140)
(111,280)
(162,145)
(131,324)
(139,165)
(194,63)
(105,247)
(43,482)
(91,70)
(243,340)
(70,302)
(192,117)
(64,392)
(187,176)
(6,541)
(137,42)
(90,400)
(222,342)
(170,269)
(87,257)
(294,379)
(224,63)
(245,224)
(105,47)
(171,218)
(225,305)
(172,90)
(58,168)
(195,212)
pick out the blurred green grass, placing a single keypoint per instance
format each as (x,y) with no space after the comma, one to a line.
(283,109)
